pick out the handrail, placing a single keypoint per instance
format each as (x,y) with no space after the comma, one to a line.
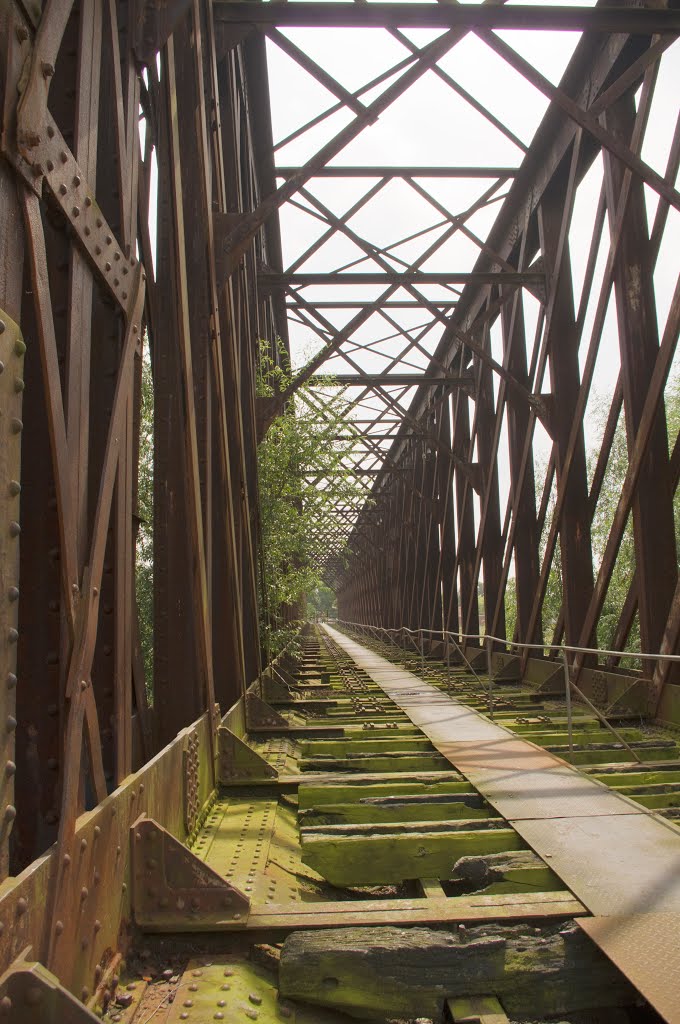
(520,645)
(564,649)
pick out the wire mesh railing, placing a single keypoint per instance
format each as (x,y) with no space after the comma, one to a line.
(486,641)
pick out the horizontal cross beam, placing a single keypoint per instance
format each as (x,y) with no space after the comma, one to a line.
(404,379)
(387,304)
(645,21)
(403,172)
(502,277)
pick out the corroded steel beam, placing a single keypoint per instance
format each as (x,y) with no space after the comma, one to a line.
(300,280)
(405,379)
(645,21)
(412,171)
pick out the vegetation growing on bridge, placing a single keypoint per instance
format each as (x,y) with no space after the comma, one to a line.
(304,463)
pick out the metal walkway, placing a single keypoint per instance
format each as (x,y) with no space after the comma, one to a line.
(622,862)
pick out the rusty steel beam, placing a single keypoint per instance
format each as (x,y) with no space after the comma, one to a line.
(433,536)
(409,171)
(302,280)
(645,21)
(372,379)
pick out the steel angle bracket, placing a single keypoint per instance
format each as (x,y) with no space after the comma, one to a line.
(29,992)
(640,698)
(510,673)
(275,688)
(554,683)
(476,659)
(259,715)
(174,890)
(237,762)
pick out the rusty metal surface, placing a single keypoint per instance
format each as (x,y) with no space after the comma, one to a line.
(29,992)
(618,864)
(531,792)
(645,948)
(139,224)
(96,865)
(227,988)
(12,348)
(173,889)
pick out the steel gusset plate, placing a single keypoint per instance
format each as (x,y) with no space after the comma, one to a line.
(173,890)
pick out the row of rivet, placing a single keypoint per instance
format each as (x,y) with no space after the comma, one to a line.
(12,350)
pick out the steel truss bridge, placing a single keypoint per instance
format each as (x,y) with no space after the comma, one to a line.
(180,180)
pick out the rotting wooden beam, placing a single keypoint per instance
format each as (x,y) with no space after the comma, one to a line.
(404,972)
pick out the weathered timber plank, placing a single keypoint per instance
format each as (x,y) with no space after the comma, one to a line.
(346,790)
(476,1010)
(506,872)
(409,972)
(458,909)
(397,761)
(349,745)
(374,813)
(375,859)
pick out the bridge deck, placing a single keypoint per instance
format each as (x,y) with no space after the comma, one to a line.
(620,860)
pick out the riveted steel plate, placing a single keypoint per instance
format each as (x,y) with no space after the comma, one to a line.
(233,990)
(618,864)
(646,949)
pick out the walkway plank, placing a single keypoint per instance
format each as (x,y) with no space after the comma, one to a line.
(616,857)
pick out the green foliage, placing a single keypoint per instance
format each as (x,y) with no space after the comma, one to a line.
(144,549)
(321,601)
(602,520)
(612,485)
(303,472)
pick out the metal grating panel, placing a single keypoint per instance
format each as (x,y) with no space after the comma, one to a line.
(560,792)
(618,864)
(645,948)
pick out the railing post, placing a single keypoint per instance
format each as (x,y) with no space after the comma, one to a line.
(567,697)
(489,671)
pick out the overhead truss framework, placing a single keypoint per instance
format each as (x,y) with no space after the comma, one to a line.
(160,214)
(468,341)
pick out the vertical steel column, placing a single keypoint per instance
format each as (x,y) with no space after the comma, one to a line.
(575,544)
(489,535)
(518,412)
(466,523)
(656,565)
(445,470)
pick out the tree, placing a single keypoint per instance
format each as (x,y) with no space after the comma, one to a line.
(304,471)
(603,517)
(624,568)
(321,601)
